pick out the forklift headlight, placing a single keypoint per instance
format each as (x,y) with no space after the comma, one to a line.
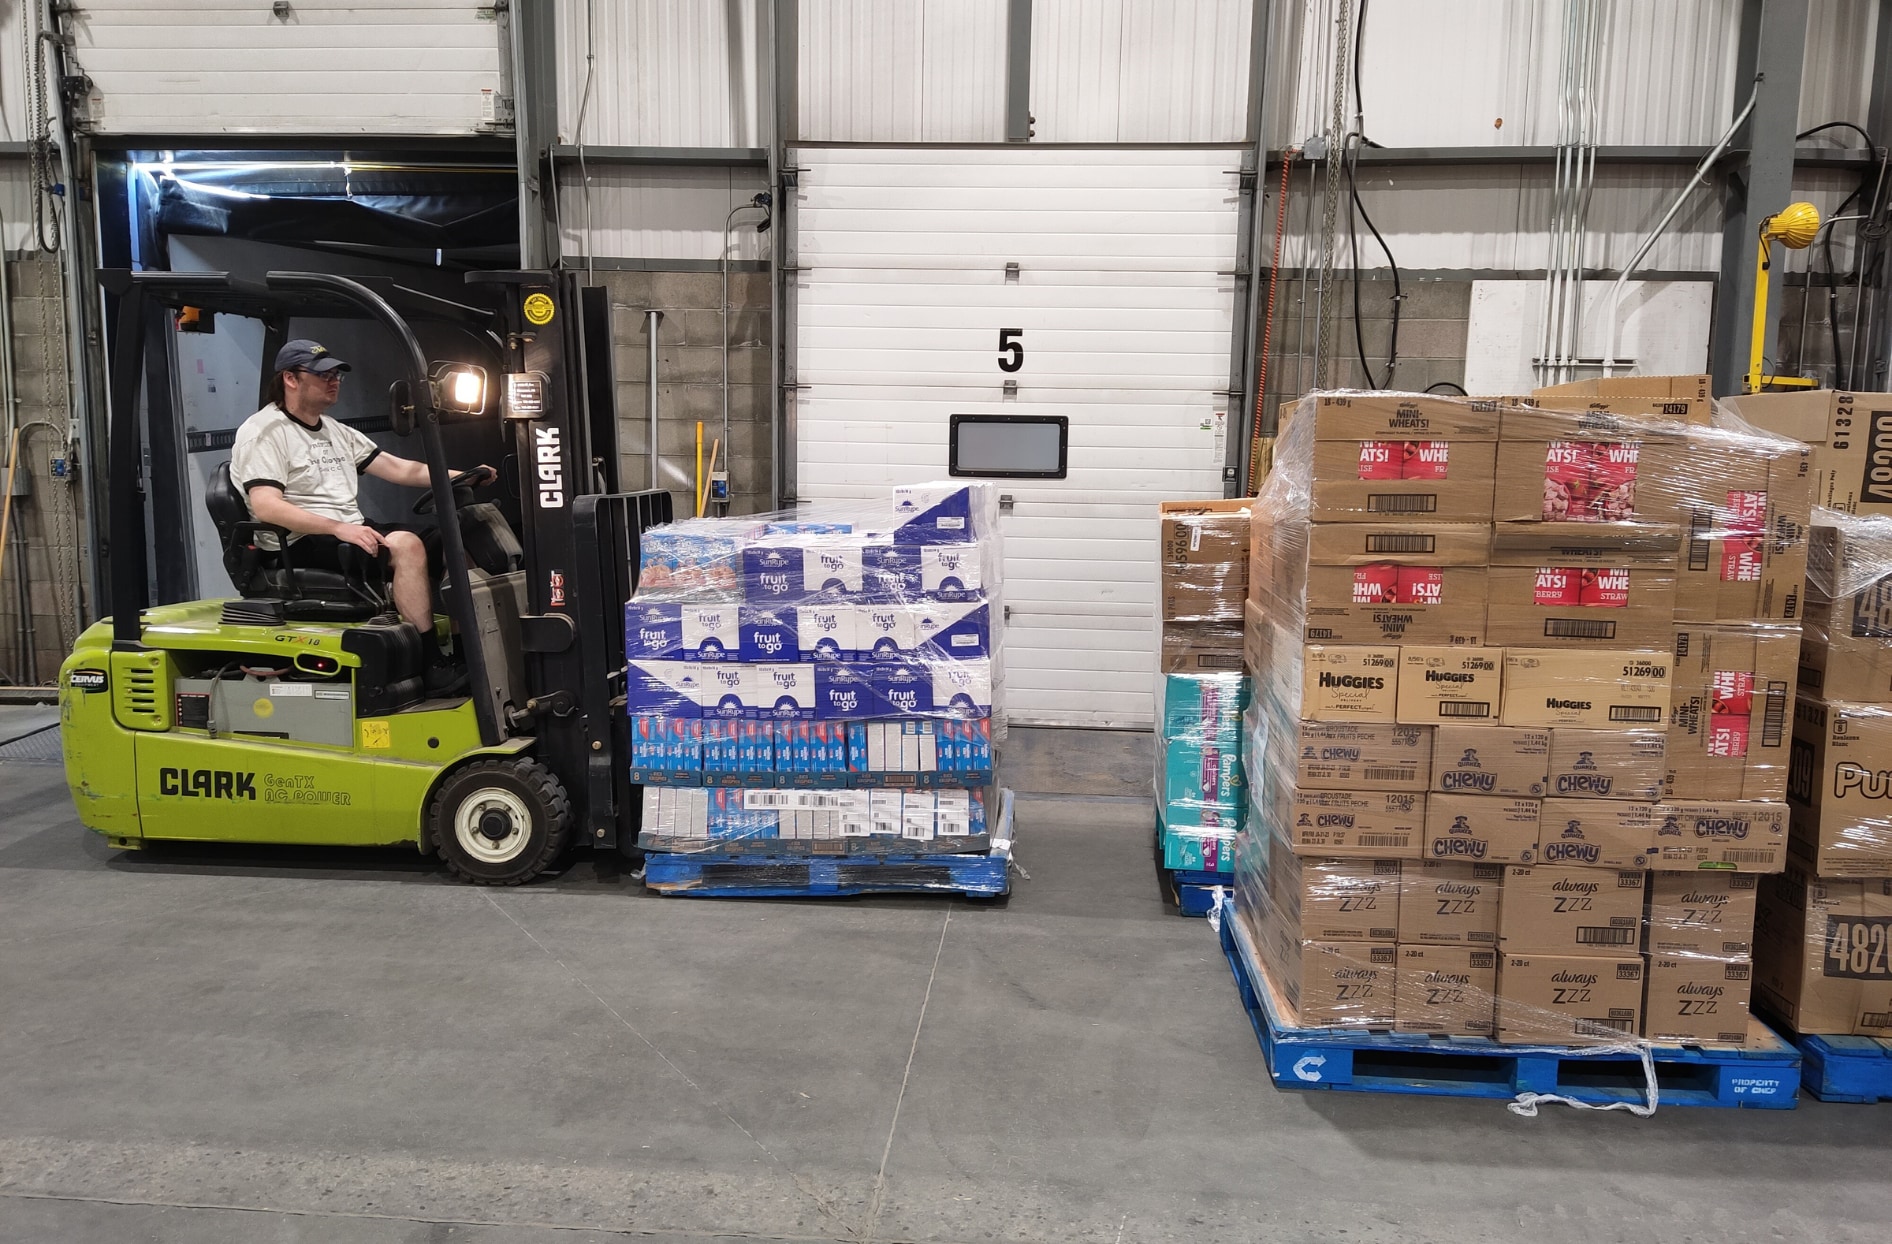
(459,388)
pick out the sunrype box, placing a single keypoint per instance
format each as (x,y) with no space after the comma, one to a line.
(1490,760)
(1448,991)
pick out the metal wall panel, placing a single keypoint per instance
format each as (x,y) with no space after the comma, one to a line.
(1483,73)
(902,70)
(1125,304)
(1836,76)
(653,212)
(205,67)
(1141,71)
(664,73)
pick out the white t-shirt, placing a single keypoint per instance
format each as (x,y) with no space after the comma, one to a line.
(318,469)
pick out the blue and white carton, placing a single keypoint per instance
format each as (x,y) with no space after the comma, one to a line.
(767,634)
(826,632)
(727,691)
(653,632)
(905,689)
(832,568)
(933,514)
(781,692)
(667,688)
(953,630)
(885,632)
(772,574)
(845,691)
(961,688)
(952,571)
(891,571)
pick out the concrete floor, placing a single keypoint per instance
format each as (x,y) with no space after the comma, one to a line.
(247,1045)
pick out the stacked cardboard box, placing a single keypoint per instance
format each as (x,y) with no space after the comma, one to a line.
(1517,658)
(1203,569)
(778,670)
(1825,965)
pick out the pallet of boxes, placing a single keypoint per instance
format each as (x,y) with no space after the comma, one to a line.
(1521,684)
(1201,691)
(1824,939)
(814,699)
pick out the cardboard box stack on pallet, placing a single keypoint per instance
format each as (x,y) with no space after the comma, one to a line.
(820,683)
(1522,685)
(1200,687)
(1823,944)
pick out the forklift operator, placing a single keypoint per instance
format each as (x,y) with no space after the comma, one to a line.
(301,470)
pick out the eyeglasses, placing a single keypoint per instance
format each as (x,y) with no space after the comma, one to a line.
(334,375)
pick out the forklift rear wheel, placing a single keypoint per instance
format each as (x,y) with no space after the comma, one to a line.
(500,822)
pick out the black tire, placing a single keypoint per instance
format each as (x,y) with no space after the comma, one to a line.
(500,822)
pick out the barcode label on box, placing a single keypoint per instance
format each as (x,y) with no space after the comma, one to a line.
(1385,840)
(1774,720)
(1402,503)
(1594,1027)
(1599,935)
(1739,855)
(1401,542)
(1579,628)
(1876,1019)
(1465,708)
(1631,712)
(1389,775)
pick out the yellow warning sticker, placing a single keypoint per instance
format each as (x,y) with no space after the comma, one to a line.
(539,308)
(263,708)
(376,736)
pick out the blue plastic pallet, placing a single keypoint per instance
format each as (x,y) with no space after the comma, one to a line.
(1197,892)
(704,874)
(1856,1069)
(1765,1077)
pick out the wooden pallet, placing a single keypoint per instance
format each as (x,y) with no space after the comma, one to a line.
(1765,1076)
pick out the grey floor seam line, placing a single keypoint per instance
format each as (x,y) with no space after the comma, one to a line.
(222,1208)
(1047,797)
(880,1179)
(821,1204)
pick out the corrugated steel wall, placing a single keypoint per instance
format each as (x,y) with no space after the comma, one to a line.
(902,70)
(1483,73)
(664,73)
(654,212)
(329,68)
(1140,71)
(1836,77)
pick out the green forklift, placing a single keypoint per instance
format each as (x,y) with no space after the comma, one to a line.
(297,712)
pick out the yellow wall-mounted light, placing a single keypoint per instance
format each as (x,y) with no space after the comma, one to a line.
(1794,227)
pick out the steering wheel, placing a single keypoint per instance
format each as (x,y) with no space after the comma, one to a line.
(464,482)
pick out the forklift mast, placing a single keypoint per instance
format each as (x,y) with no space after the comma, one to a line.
(580,538)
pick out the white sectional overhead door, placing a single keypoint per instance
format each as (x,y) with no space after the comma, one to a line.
(1121,302)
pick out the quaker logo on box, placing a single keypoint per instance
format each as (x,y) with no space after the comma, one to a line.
(1671,826)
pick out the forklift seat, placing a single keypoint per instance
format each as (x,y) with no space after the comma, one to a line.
(270,574)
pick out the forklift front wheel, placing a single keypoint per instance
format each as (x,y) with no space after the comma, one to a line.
(500,822)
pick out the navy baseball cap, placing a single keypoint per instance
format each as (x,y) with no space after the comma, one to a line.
(309,356)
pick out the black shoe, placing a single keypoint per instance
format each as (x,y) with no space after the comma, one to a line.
(444,680)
